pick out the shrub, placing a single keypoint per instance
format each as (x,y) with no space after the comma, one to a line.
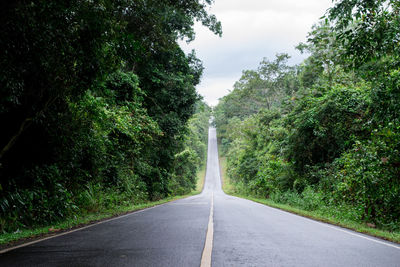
(321,128)
(369,176)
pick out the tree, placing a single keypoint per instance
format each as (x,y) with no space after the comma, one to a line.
(368,30)
(49,51)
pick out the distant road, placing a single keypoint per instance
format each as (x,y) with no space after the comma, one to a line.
(239,233)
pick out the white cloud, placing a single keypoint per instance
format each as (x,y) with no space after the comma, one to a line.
(291,6)
(252,30)
(214,88)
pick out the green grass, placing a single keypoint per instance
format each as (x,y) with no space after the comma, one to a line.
(201,174)
(229,188)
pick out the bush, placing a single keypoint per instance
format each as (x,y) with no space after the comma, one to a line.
(312,200)
(274,174)
(321,128)
(369,177)
(47,200)
(185,168)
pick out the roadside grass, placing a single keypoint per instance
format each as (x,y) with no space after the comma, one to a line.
(229,188)
(201,174)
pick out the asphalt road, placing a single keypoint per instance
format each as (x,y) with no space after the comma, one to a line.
(243,233)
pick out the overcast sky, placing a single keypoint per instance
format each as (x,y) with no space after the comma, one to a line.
(252,30)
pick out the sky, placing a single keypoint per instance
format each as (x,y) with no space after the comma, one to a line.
(252,30)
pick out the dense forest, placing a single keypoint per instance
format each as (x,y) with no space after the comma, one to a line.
(324,135)
(98,105)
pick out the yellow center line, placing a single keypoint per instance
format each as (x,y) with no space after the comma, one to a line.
(207,251)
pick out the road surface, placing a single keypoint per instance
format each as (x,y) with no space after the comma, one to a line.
(182,233)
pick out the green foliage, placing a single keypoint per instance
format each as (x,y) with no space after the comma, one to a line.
(321,128)
(185,169)
(188,162)
(47,200)
(309,199)
(265,88)
(367,31)
(368,176)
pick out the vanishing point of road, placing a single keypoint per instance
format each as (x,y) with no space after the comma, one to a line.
(208,229)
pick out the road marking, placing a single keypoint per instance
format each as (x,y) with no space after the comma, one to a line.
(359,235)
(334,227)
(207,251)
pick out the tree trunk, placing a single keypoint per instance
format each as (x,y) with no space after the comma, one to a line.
(24,125)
